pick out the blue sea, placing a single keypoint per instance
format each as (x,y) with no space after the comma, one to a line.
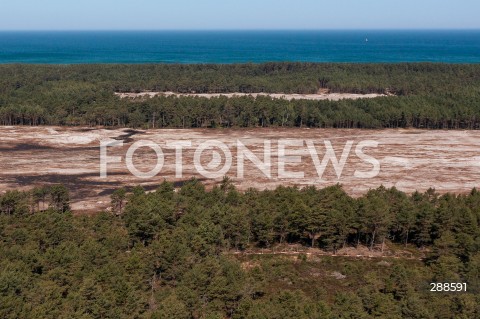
(239,46)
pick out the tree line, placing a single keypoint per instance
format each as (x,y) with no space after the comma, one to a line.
(170,254)
(15,202)
(433,96)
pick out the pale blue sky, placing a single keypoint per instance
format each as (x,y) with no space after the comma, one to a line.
(245,14)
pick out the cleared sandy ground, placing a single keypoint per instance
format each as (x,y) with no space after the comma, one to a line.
(312,97)
(410,159)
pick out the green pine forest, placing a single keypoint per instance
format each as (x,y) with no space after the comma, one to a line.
(183,253)
(425,95)
(188,252)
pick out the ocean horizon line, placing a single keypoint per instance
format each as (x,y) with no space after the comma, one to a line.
(247,30)
(239,46)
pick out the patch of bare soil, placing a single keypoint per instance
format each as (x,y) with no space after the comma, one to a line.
(296,250)
(410,160)
(324,95)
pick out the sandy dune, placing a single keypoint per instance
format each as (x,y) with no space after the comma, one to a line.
(410,159)
(313,97)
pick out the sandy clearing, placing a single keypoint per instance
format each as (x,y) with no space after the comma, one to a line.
(311,97)
(410,159)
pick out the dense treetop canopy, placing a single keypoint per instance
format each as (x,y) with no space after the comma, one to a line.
(425,95)
(182,253)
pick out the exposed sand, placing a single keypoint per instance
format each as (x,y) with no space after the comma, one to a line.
(312,97)
(410,159)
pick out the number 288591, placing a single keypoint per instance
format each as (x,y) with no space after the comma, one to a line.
(448,286)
